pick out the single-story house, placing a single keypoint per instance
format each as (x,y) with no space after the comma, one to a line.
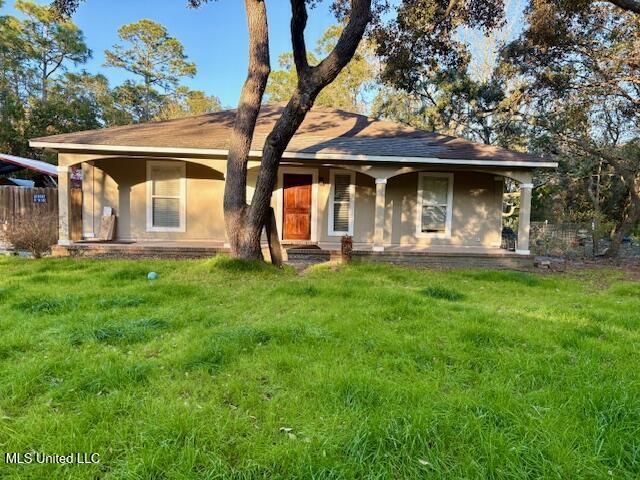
(389,186)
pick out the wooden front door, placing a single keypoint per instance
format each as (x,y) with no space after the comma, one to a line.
(296,211)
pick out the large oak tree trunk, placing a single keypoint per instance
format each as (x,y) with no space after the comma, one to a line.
(277,141)
(245,223)
(235,191)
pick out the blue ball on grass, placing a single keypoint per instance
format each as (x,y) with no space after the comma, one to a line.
(152,276)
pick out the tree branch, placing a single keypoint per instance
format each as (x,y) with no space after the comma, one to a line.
(629,5)
(298,24)
(359,17)
(615,161)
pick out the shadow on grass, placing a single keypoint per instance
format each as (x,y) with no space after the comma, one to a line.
(506,277)
(443,294)
(120,333)
(237,265)
(46,305)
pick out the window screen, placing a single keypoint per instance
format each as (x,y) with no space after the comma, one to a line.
(166,193)
(435,191)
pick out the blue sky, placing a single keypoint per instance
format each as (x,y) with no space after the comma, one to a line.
(214,36)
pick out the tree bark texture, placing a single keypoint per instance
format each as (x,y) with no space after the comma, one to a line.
(235,192)
(311,81)
(629,5)
(630,219)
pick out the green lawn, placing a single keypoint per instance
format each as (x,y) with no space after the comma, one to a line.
(378,371)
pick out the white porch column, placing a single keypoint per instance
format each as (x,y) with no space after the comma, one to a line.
(524,219)
(378,232)
(64,205)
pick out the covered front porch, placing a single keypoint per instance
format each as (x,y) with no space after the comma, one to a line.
(382,215)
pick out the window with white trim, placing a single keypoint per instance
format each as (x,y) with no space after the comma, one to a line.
(341,203)
(166,188)
(435,199)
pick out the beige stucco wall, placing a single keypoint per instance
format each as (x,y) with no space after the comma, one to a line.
(120,182)
(364,207)
(476,212)
(476,219)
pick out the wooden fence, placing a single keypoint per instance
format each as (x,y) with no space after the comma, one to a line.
(18,202)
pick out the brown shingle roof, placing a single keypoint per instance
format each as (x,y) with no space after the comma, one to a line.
(324,131)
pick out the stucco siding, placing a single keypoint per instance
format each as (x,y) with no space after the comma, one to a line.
(121,183)
(364,209)
(476,212)
(476,219)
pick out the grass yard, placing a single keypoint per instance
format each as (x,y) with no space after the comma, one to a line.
(221,369)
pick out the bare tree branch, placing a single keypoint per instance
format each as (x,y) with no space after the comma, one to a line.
(629,5)
(345,48)
(298,24)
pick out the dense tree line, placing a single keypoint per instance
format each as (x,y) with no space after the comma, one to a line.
(44,90)
(567,87)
